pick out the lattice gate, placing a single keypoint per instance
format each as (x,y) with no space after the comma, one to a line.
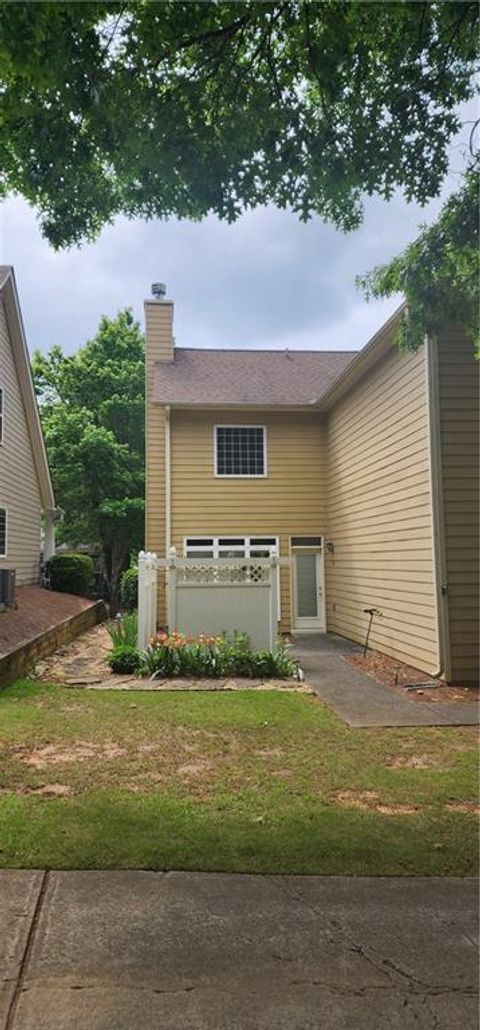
(213,595)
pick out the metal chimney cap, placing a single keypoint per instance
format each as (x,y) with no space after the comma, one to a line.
(158,290)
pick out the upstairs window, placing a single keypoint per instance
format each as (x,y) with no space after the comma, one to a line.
(2,413)
(240,451)
(3,532)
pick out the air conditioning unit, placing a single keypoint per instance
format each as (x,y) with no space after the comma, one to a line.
(7,587)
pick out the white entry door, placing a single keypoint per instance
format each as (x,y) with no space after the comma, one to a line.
(308,599)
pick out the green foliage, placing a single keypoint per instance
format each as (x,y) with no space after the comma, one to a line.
(123,630)
(123,659)
(71,574)
(129,588)
(185,108)
(202,656)
(92,409)
(438,274)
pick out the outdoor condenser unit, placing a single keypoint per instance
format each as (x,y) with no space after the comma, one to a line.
(7,587)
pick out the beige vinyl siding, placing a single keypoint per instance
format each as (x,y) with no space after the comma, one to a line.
(289,501)
(459,409)
(19,489)
(380,512)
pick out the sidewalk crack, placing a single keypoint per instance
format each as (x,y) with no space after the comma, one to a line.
(10,1022)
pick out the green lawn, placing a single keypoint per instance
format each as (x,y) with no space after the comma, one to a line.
(251,781)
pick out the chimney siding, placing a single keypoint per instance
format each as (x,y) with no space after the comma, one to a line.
(159,347)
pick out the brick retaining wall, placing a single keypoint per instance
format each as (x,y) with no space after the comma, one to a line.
(20,660)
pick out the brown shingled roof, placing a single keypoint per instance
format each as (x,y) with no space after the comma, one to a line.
(253,377)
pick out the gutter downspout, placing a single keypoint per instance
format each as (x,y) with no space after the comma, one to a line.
(436,508)
(168,483)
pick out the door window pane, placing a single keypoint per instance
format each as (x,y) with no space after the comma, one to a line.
(306,571)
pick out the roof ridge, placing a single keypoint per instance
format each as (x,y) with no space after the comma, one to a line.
(262,350)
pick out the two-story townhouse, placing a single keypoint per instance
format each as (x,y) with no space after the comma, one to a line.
(26,493)
(359,467)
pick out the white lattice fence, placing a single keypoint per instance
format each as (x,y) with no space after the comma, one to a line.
(212,596)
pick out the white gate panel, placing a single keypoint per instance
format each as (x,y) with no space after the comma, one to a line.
(215,608)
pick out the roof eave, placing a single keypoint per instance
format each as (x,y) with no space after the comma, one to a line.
(234,406)
(377,346)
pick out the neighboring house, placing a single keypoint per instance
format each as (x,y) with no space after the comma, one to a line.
(26,492)
(358,466)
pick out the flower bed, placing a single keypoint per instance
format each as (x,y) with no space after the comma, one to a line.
(180,655)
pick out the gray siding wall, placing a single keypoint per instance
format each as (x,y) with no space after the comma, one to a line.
(19,490)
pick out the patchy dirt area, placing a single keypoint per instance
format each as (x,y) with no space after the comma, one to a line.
(399,676)
(368,800)
(51,754)
(82,664)
(410,761)
(44,790)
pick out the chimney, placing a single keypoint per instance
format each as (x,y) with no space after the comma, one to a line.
(159,326)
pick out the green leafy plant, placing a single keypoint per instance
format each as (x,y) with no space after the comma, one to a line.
(129,588)
(205,656)
(71,574)
(124,659)
(93,414)
(123,630)
(438,273)
(187,109)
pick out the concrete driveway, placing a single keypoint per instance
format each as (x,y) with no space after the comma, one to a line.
(193,951)
(359,699)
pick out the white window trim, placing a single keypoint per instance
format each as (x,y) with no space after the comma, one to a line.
(248,546)
(240,475)
(237,536)
(2,415)
(4,554)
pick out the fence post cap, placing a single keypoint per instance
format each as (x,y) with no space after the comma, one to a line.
(141,555)
(172,552)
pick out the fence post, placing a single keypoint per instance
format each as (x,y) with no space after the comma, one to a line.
(171,574)
(147,597)
(152,574)
(273,598)
(142,601)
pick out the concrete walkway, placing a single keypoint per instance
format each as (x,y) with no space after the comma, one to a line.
(195,951)
(359,699)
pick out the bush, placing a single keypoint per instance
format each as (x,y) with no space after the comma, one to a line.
(124,658)
(123,630)
(203,656)
(71,574)
(129,589)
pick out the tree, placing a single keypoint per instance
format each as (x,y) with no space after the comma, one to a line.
(92,409)
(439,273)
(185,108)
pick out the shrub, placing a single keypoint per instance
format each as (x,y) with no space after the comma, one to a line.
(211,656)
(123,630)
(129,589)
(71,573)
(124,658)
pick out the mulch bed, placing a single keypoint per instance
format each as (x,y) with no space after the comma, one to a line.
(36,611)
(399,676)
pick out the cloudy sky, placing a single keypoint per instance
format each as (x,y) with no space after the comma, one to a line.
(266,281)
